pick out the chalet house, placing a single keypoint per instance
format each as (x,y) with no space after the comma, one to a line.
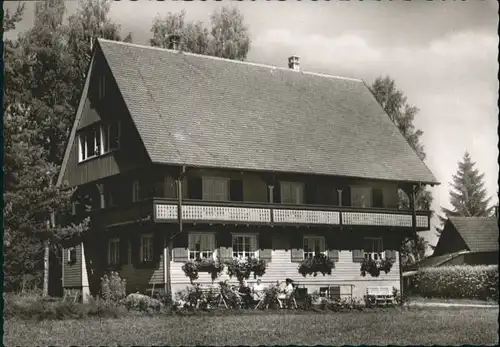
(182,155)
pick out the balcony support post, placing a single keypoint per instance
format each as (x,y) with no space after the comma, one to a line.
(271,200)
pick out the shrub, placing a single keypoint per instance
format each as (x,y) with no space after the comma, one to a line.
(319,263)
(344,304)
(471,282)
(142,302)
(113,288)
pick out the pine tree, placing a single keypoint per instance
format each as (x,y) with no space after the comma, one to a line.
(468,195)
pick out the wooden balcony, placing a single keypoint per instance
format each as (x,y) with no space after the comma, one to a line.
(166,211)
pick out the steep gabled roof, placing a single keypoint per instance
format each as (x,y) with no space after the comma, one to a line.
(203,111)
(479,233)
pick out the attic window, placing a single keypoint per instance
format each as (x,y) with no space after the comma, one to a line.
(102,87)
(89,143)
(97,140)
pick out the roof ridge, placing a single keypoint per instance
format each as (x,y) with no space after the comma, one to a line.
(229,60)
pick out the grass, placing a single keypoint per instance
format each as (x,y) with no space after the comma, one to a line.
(410,326)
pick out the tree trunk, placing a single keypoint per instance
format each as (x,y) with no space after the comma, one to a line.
(46,266)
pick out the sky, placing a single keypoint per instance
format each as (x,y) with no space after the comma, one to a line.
(442,55)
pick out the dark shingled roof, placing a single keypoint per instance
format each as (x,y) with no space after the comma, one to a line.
(479,233)
(203,111)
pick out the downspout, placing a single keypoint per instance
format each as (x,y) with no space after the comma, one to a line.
(168,255)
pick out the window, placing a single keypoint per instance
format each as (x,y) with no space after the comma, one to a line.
(110,137)
(146,248)
(201,245)
(114,251)
(314,245)
(98,140)
(292,193)
(373,248)
(361,196)
(378,197)
(215,188)
(102,87)
(71,255)
(89,143)
(135,191)
(244,246)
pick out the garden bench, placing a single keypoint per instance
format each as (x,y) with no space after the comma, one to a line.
(382,295)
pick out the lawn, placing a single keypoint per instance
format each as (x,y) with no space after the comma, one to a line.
(392,326)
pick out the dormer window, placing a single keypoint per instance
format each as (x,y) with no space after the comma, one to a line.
(98,139)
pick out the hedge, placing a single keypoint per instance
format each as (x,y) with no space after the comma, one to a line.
(454,282)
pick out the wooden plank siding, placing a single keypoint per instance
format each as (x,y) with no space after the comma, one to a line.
(345,273)
(131,154)
(72,273)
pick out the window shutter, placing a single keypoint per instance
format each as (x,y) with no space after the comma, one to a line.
(358,255)
(333,254)
(346,196)
(378,197)
(195,188)
(180,248)
(390,255)
(236,190)
(225,241)
(277,193)
(266,246)
(124,250)
(311,193)
(334,292)
(297,249)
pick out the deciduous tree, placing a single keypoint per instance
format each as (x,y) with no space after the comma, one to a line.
(228,36)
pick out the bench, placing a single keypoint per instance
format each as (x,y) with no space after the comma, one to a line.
(380,295)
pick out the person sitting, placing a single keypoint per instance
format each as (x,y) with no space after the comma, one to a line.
(258,290)
(286,292)
(245,293)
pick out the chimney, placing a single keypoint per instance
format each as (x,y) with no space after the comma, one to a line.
(293,63)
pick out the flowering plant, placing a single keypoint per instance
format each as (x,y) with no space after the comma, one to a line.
(242,268)
(193,267)
(318,263)
(374,267)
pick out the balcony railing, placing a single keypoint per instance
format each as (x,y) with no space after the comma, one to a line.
(252,213)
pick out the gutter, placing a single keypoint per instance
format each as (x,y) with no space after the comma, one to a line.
(169,243)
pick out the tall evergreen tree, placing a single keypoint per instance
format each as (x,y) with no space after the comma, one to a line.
(468,196)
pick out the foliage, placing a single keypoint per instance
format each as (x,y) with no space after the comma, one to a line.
(343,305)
(413,250)
(113,288)
(193,267)
(142,303)
(228,36)
(374,268)
(39,308)
(243,268)
(44,75)
(454,282)
(195,298)
(467,195)
(398,298)
(319,263)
